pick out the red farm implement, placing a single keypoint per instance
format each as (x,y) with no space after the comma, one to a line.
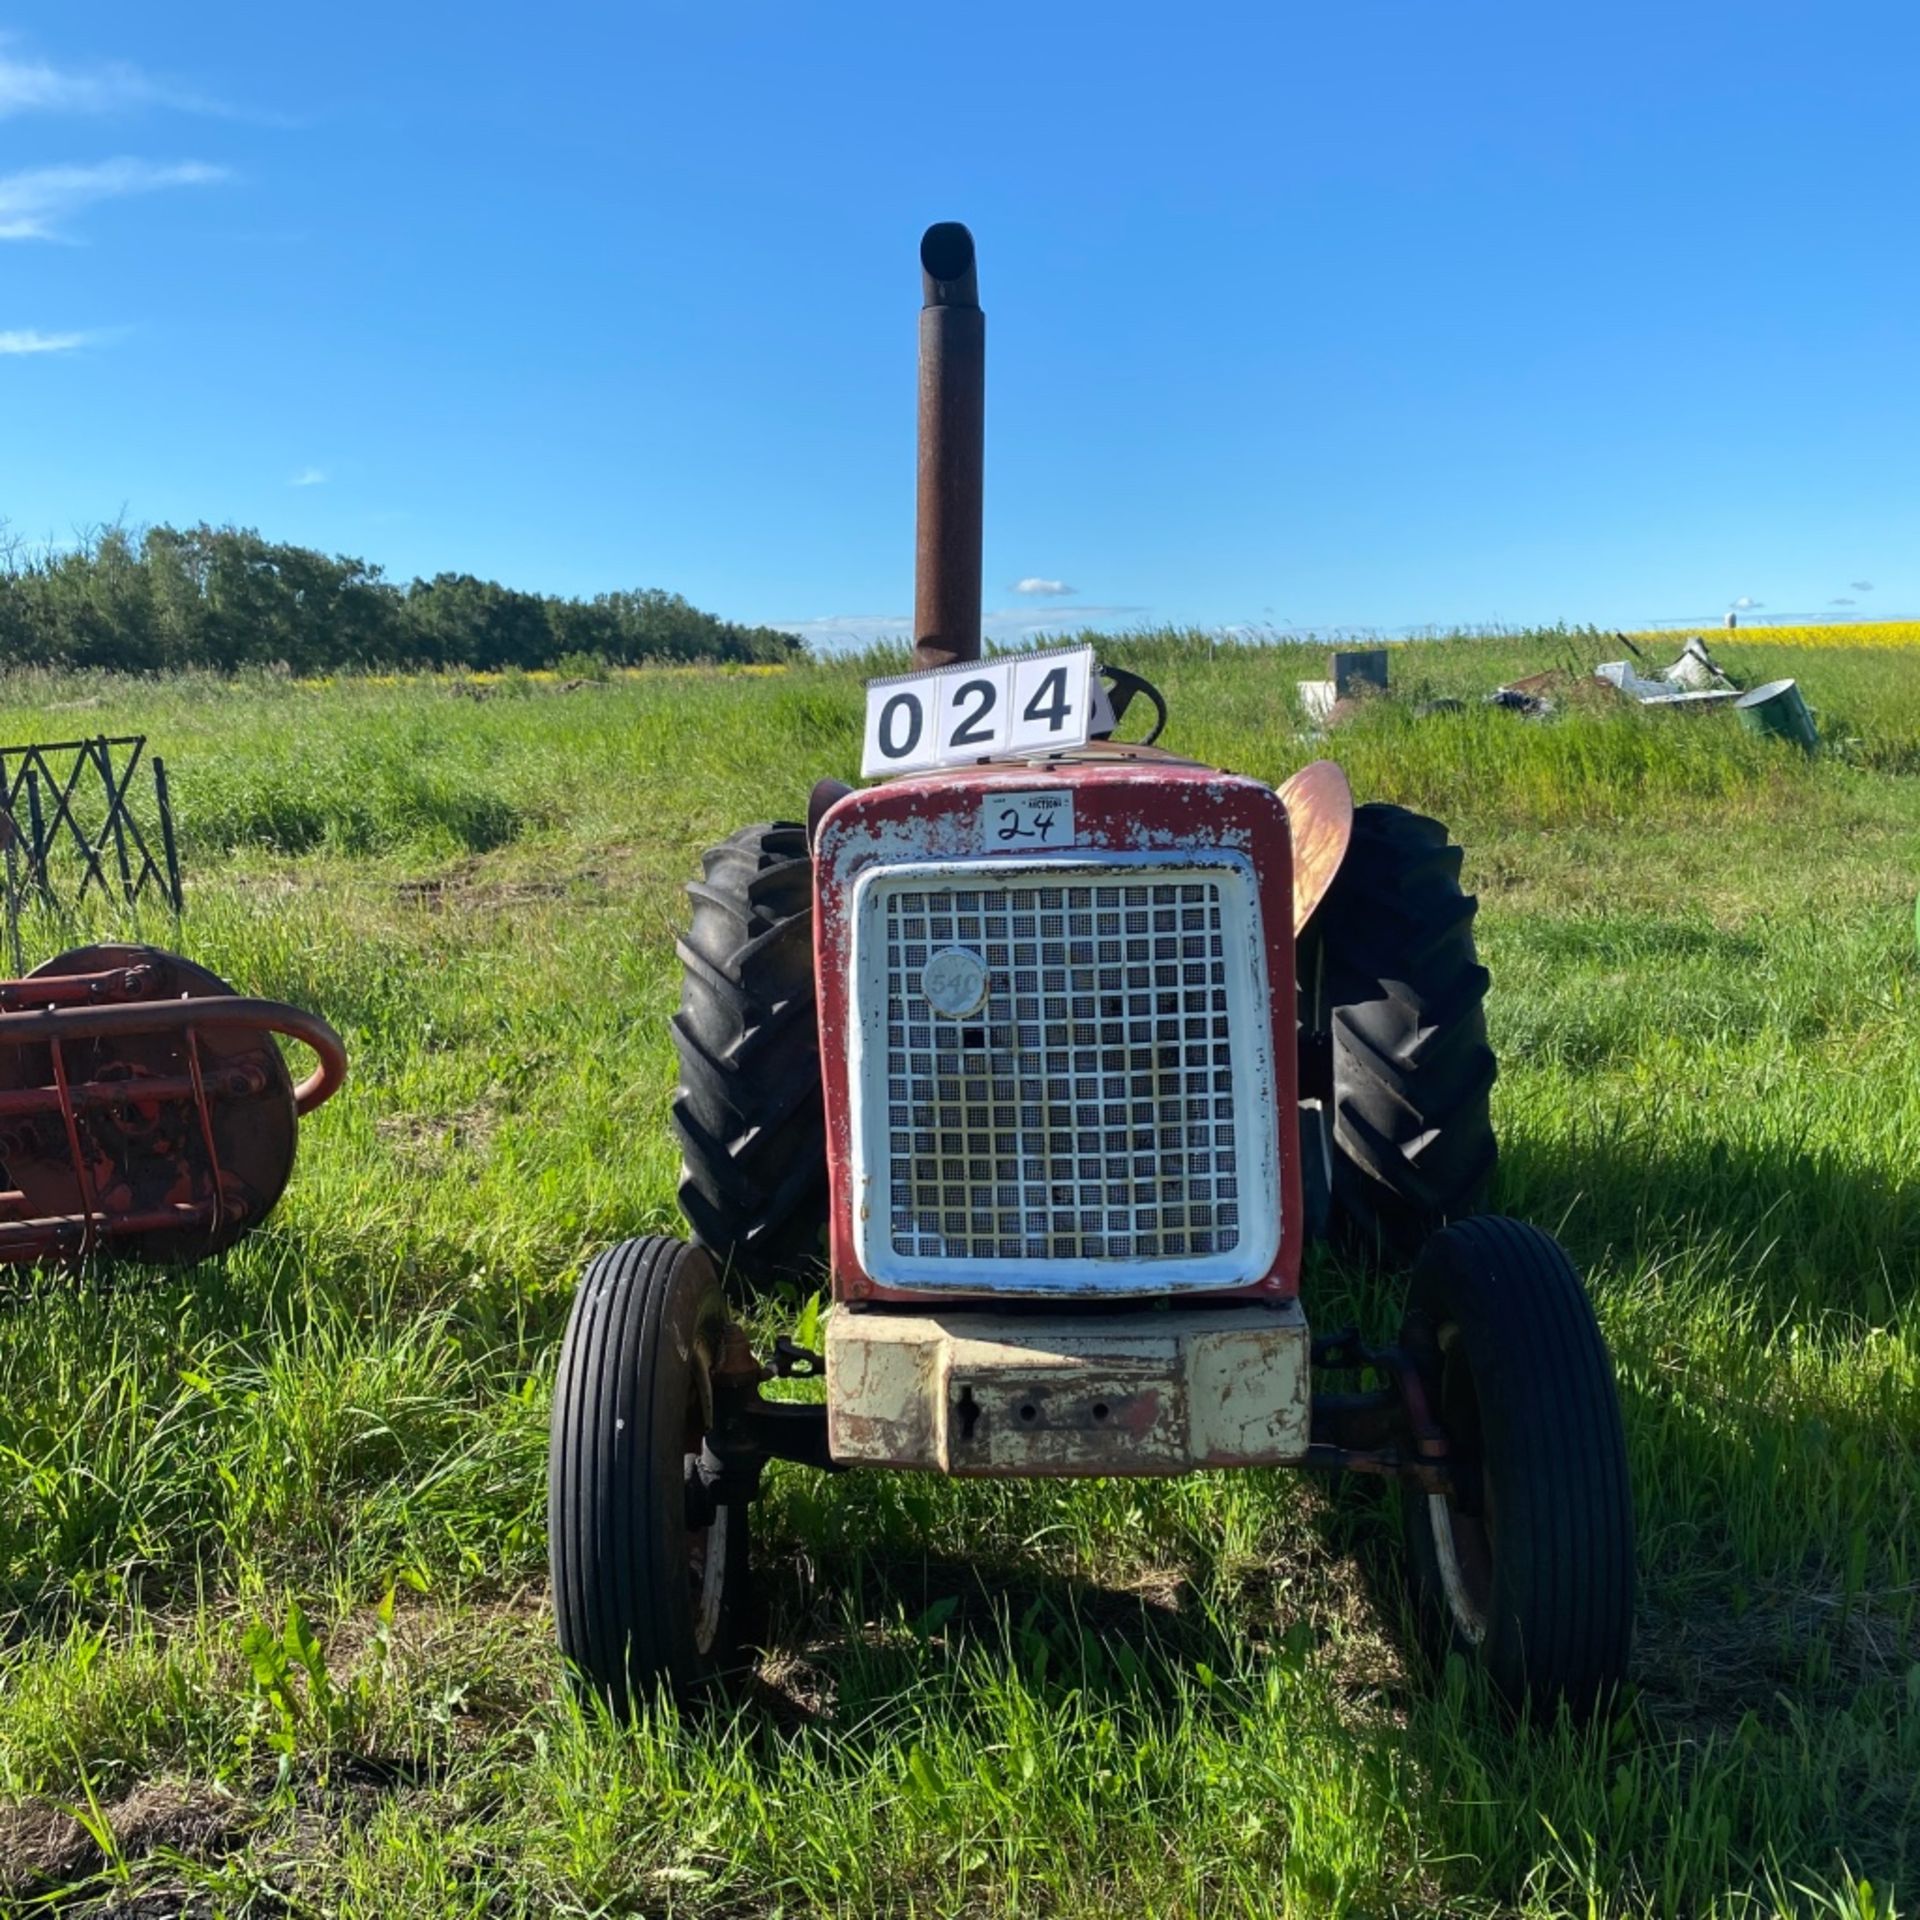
(146,1112)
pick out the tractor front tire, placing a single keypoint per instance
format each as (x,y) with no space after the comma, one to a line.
(1526,1567)
(650,1576)
(1394,1038)
(748,1113)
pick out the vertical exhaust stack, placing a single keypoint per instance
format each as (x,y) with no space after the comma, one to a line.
(953,361)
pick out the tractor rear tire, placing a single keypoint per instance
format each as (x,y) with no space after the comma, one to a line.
(748,1112)
(1527,1566)
(650,1578)
(1394,1037)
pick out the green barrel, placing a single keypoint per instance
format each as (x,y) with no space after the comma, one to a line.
(1778,709)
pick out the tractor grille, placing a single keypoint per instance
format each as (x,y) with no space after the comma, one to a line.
(1085,1110)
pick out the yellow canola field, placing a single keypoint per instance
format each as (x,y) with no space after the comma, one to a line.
(1878,633)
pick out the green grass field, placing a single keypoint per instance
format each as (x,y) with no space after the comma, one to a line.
(273,1623)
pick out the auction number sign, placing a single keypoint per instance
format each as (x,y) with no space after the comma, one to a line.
(1023,703)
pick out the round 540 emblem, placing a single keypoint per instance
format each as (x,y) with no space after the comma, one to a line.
(955,982)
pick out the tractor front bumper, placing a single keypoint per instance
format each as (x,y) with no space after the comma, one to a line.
(967,1390)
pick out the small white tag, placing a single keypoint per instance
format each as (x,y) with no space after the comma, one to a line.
(1026,822)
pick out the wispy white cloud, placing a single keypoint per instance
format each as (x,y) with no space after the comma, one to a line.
(1843,603)
(828,631)
(30,84)
(309,477)
(1748,604)
(38,86)
(35,204)
(1049,589)
(32,340)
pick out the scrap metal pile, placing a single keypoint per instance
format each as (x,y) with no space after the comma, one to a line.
(1695,680)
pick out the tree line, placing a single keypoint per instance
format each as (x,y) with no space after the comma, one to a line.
(224,597)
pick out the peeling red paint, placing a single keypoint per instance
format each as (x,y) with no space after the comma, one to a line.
(1121,805)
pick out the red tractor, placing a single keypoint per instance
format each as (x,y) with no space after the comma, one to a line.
(1063,1047)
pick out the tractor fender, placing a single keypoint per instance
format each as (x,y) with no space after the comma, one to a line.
(1319,805)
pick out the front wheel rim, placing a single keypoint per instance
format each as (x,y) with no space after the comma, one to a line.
(1462,1532)
(1457,1585)
(706,1546)
(706,1579)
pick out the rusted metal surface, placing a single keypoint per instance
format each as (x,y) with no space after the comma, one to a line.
(748,1430)
(953,355)
(1098,752)
(145,1110)
(1127,809)
(977,1393)
(1319,805)
(1387,1430)
(1381,1463)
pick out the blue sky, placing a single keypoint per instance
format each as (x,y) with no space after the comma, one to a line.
(1356,316)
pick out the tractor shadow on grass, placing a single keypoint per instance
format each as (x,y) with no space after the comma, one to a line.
(1140,1595)
(1676,1238)
(1799,1231)
(854,1636)
(1771,1481)
(1771,1477)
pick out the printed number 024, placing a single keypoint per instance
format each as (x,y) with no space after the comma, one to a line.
(982,714)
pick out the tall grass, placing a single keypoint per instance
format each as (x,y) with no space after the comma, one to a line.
(271,1549)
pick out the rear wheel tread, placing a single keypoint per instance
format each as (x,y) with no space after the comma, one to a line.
(748,1113)
(1397,1005)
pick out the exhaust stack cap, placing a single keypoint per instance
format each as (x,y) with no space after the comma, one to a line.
(947,277)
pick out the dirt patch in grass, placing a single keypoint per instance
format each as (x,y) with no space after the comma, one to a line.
(44,1846)
(473,885)
(525,879)
(422,1141)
